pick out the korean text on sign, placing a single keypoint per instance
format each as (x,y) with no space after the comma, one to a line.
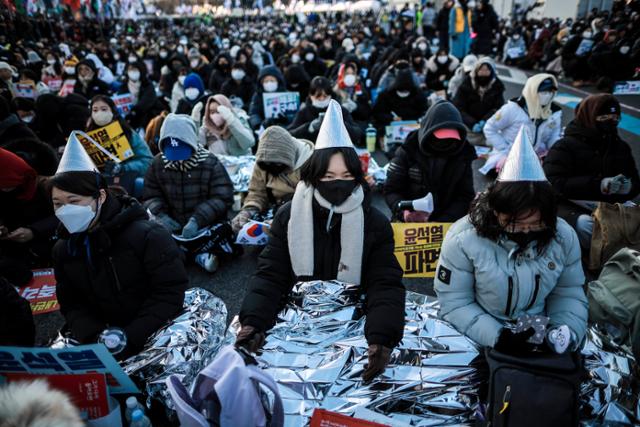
(417,247)
(278,103)
(111,138)
(41,292)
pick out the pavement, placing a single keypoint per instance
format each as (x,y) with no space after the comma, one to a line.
(232,280)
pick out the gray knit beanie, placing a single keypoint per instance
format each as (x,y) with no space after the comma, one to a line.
(277,146)
(181,127)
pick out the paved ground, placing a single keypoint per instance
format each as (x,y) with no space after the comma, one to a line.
(232,280)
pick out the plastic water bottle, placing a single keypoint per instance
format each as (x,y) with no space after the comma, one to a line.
(132,406)
(371,138)
(138,419)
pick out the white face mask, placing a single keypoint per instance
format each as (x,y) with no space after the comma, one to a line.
(102,118)
(134,75)
(321,104)
(181,79)
(422,46)
(403,93)
(237,74)
(132,59)
(624,49)
(191,93)
(270,86)
(194,63)
(516,36)
(70,70)
(350,80)
(180,49)
(545,97)
(309,56)
(163,54)
(295,58)
(443,59)
(51,61)
(27,119)
(586,34)
(116,56)
(75,218)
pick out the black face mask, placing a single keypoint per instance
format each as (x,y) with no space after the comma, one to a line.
(483,80)
(523,239)
(607,127)
(273,168)
(443,146)
(336,191)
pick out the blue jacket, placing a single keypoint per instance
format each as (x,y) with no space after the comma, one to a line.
(142,158)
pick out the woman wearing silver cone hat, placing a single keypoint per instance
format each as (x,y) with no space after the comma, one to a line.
(330,231)
(511,256)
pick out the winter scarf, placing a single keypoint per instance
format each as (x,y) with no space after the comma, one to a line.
(301,239)
(593,106)
(196,158)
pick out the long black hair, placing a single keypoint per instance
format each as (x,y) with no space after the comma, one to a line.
(513,199)
(116,115)
(316,166)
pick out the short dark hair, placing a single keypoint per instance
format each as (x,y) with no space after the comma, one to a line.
(320,83)
(316,166)
(514,198)
(82,183)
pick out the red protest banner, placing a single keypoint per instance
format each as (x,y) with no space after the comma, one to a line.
(41,292)
(88,392)
(324,418)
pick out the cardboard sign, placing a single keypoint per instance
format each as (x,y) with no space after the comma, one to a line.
(585,47)
(25,90)
(41,292)
(276,103)
(631,87)
(67,87)
(417,247)
(124,103)
(54,83)
(76,360)
(110,137)
(88,392)
(324,418)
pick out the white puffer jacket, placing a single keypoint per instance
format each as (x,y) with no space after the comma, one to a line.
(501,129)
(482,284)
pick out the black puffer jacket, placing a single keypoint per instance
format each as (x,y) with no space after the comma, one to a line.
(416,171)
(474,107)
(381,274)
(578,162)
(126,273)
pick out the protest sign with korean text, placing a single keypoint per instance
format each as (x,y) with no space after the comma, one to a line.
(417,247)
(278,103)
(112,139)
(124,103)
(41,292)
(74,360)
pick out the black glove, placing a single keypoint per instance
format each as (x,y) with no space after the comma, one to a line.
(250,338)
(379,356)
(515,343)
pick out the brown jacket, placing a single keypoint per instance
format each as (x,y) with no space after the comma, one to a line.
(282,187)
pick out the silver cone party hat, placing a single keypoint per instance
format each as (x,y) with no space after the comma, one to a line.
(333,133)
(75,157)
(522,162)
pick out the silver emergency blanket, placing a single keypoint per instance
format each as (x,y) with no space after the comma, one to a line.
(317,350)
(379,174)
(183,347)
(240,169)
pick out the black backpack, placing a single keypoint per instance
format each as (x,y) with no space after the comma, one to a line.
(539,390)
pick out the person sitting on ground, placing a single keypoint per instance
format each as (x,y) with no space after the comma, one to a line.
(225,130)
(402,101)
(186,188)
(275,174)
(513,256)
(435,160)
(592,162)
(535,111)
(330,231)
(480,95)
(270,80)
(114,268)
(88,83)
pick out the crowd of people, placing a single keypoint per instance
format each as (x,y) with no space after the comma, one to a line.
(119,225)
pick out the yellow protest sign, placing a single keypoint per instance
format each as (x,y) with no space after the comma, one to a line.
(112,139)
(417,246)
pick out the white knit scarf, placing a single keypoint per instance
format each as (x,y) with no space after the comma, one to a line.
(300,232)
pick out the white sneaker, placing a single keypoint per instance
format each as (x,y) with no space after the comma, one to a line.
(560,338)
(207,261)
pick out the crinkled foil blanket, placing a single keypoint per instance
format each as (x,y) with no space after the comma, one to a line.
(317,351)
(240,169)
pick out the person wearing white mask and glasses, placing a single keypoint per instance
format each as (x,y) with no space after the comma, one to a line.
(307,121)
(535,110)
(145,103)
(103,113)
(114,268)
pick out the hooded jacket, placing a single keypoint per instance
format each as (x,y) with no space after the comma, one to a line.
(256,109)
(128,272)
(483,284)
(389,103)
(299,128)
(95,86)
(479,103)
(417,169)
(240,139)
(381,275)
